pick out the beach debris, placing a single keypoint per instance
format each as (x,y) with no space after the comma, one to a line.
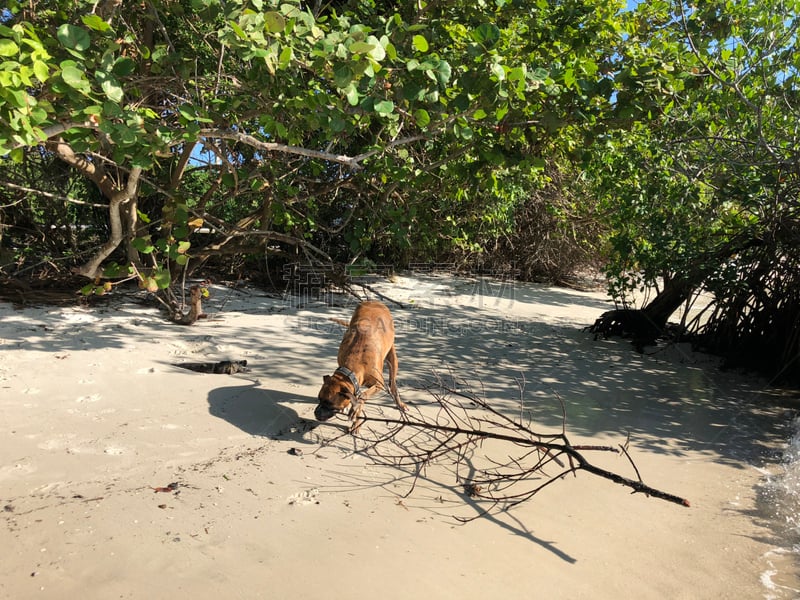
(472,490)
(295,452)
(176,314)
(508,461)
(304,498)
(224,367)
(167,489)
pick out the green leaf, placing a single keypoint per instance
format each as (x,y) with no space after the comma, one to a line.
(499,71)
(238,30)
(73,37)
(143,245)
(41,70)
(112,110)
(274,22)
(73,77)
(361,48)
(420,43)
(569,78)
(384,107)
(8,48)
(17,155)
(422,117)
(115,270)
(113,89)
(163,279)
(96,23)
(443,72)
(342,76)
(487,34)
(378,53)
(123,67)
(541,74)
(352,95)
(229,180)
(190,113)
(337,124)
(517,73)
(287,54)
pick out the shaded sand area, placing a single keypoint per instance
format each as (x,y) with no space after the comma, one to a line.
(123,476)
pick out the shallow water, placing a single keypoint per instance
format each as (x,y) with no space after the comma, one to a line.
(779,506)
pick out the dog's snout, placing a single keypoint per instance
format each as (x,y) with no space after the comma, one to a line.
(323,412)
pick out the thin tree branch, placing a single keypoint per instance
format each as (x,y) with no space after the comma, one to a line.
(28,190)
(249,140)
(460,433)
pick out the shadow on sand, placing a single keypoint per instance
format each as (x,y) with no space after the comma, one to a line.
(260,412)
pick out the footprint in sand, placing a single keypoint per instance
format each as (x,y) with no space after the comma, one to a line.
(20,468)
(92,398)
(58,444)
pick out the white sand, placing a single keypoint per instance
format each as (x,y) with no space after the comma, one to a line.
(94,416)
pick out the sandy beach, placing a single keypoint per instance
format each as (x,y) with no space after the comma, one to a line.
(125,476)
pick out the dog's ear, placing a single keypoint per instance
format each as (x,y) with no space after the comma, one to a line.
(326,378)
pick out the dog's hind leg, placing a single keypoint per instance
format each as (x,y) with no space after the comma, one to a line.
(391,361)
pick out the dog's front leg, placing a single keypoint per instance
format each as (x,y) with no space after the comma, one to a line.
(356,408)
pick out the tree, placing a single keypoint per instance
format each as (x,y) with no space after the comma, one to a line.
(705,194)
(385,128)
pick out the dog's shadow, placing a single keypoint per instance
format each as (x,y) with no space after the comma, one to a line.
(260,412)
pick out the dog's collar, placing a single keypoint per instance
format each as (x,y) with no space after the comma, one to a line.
(352,377)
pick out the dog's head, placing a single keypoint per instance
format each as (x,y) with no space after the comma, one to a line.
(335,396)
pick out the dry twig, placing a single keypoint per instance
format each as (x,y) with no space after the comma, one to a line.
(468,433)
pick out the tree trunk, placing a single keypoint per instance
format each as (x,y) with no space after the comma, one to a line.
(117,195)
(668,300)
(646,325)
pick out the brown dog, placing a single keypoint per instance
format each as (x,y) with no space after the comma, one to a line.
(367,344)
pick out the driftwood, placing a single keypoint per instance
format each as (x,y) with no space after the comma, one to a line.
(470,435)
(629,323)
(175,310)
(195,308)
(224,367)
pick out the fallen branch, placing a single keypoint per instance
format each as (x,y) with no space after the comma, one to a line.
(470,434)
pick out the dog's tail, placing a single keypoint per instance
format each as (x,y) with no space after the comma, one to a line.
(339,321)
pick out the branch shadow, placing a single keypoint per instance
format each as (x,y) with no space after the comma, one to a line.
(432,487)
